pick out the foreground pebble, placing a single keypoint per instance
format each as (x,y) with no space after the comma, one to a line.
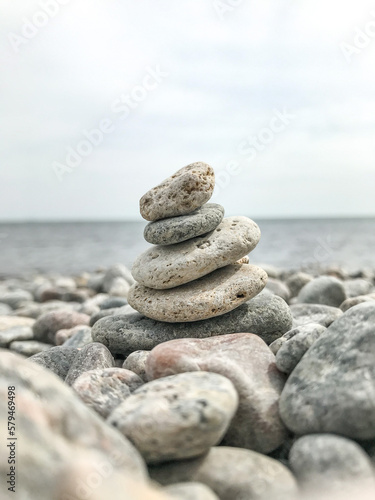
(55,428)
(332,387)
(184,415)
(103,390)
(177,229)
(183,192)
(330,463)
(232,473)
(212,295)
(163,267)
(245,360)
(265,315)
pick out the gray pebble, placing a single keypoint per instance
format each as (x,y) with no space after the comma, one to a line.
(265,315)
(233,474)
(57,359)
(279,288)
(15,333)
(48,324)
(81,336)
(16,298)
(103,390)
(325,290)
(176,229)
(136,362)
(292,350)
(355,287)
(354,301)
(297,281)
(184,415)
(332,388)
(28,347)
(113,302)
(314,313)
(90,357)
(331,463)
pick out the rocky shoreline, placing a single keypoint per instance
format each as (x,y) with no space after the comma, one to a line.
(208,378)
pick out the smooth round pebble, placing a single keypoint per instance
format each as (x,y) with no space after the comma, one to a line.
(184,415)
(136,362)
(325,290)
(330,463)
(177,229)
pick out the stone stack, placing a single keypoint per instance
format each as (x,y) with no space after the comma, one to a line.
(197,268)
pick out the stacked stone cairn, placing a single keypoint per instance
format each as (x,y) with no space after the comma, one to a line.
(197,268)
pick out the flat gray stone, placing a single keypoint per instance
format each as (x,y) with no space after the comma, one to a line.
(212,295)
(57,359)
(183,192)
(325,290)
(177,229)
(314,313)
(332,389)
(184,415)
(169,266)
(330,463)
(354,301)
(232,473)
(90,357)
(265,315)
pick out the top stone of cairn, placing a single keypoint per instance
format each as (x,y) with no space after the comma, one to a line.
(188,189)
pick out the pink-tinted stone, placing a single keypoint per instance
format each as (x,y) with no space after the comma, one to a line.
(247,361)
(48,324)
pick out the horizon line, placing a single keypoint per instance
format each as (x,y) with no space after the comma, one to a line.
(264,218)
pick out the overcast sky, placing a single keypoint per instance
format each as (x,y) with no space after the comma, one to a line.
(278,96)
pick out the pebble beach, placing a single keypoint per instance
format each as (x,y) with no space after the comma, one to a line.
(194,374)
